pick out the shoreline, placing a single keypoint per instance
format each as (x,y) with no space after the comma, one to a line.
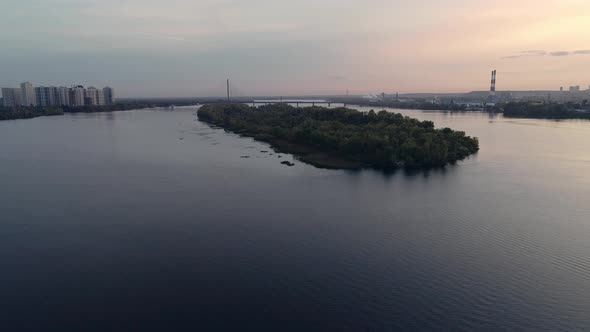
(318,158)
(31,113)
(307,154)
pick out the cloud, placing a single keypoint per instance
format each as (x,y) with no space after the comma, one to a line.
(559,53)
(534,52)
(526,53)
(337,77)
(543,53)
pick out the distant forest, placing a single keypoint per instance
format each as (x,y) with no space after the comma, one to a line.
(27,112)
(394,103)
(546,110)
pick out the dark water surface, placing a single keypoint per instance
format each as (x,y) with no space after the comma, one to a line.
(151,220)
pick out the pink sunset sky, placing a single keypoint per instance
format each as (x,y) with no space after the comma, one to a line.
(188,48)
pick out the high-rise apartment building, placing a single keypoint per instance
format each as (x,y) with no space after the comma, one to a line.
(11,97)
(77,96)
(28,94)
(63,96)
(90,96)
(100,97)
(42,96)
(47,96)
(109,95)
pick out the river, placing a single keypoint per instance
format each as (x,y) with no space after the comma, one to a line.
(152,220)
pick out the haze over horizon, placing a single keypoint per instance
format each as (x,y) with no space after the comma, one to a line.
(187,48)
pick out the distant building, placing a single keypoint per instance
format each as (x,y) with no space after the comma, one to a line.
(77,96)
(40,96)
(109,95)
(561,89)
(100,97)
(11,97)
(90,96)
(28,94)
(575,88)
(63,96)
(46,96)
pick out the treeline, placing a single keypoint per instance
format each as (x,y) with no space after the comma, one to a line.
(382,140)
(394,103)
(547,110)
(28,112)
(108,108)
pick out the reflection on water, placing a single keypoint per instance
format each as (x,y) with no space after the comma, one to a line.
(151,220)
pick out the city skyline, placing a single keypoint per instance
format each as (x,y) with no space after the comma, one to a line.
(185,48)
(27,94)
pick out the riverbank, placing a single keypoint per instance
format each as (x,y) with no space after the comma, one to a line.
(306,153)
(22,112)
(28,113)
(415,105)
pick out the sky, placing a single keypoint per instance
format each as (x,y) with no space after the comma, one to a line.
(174,48)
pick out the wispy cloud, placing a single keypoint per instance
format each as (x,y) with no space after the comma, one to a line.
(544,53)
(534,52)
(526,53)
(337,77)
(559,53)
(511,57)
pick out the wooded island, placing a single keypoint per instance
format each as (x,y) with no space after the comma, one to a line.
(344,138)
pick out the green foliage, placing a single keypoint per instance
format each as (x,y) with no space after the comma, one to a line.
(382,140)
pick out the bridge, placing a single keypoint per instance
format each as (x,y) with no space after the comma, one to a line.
(296,102)
(231,90)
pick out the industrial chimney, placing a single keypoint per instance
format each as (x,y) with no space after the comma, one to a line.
(493,85)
